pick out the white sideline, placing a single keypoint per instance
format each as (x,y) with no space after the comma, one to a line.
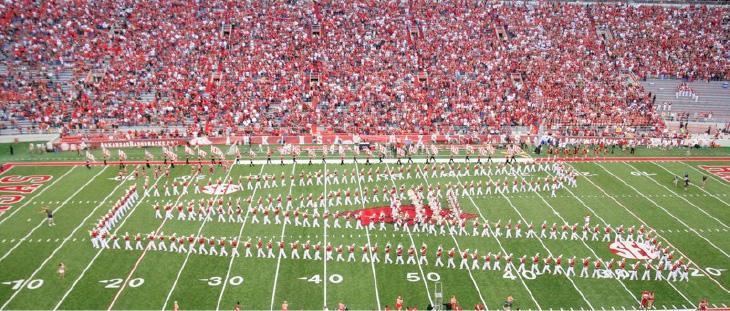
(16,209)
(91,263)
(278,260)
(83,222)
(139,260)
(54,213)
(679,196)
(187,256)
(643,222)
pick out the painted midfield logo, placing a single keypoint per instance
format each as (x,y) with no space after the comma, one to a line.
(632,250)
(221,189)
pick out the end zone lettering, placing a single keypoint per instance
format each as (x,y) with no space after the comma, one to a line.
(719,171)
(19,185)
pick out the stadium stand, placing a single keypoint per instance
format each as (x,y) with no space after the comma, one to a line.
(705,101)
(369,67)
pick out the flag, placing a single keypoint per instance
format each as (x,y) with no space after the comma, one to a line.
(215,150)
(202,153)
(483,151)
(455,150)
(122,155)
(434,150)
(148,155)
(90,156)
(167,151)
(233,150)
(105,152)
(189,151)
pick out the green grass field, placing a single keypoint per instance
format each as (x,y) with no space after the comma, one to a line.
(693,221)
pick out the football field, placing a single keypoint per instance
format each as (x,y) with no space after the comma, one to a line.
(692,224)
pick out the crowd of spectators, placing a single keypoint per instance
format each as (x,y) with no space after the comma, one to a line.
(363,66)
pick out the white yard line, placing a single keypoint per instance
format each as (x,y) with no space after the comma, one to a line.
(367,234)
(91,263)
(476,286)
(55,212)
(584,243)
(606,224)
(45,187)
(695,184)
(647,225)
(418,259)
(278,260)
(681,197)
(718,179)
(139,260)
(200,229)
(504,251)
(83,222)
(326,210)
(665,210)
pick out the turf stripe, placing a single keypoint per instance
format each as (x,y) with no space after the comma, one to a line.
(410,236)
(83,222)
(695,185)
(240,232)
(367,235)
(91,263)
(456,243)
(643,222)
(139,260)
(606,224)
(29,200)
(681,197)
(326,210)
(278,260)
(713,176)
(54,212)
(666,211)
(200,229)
